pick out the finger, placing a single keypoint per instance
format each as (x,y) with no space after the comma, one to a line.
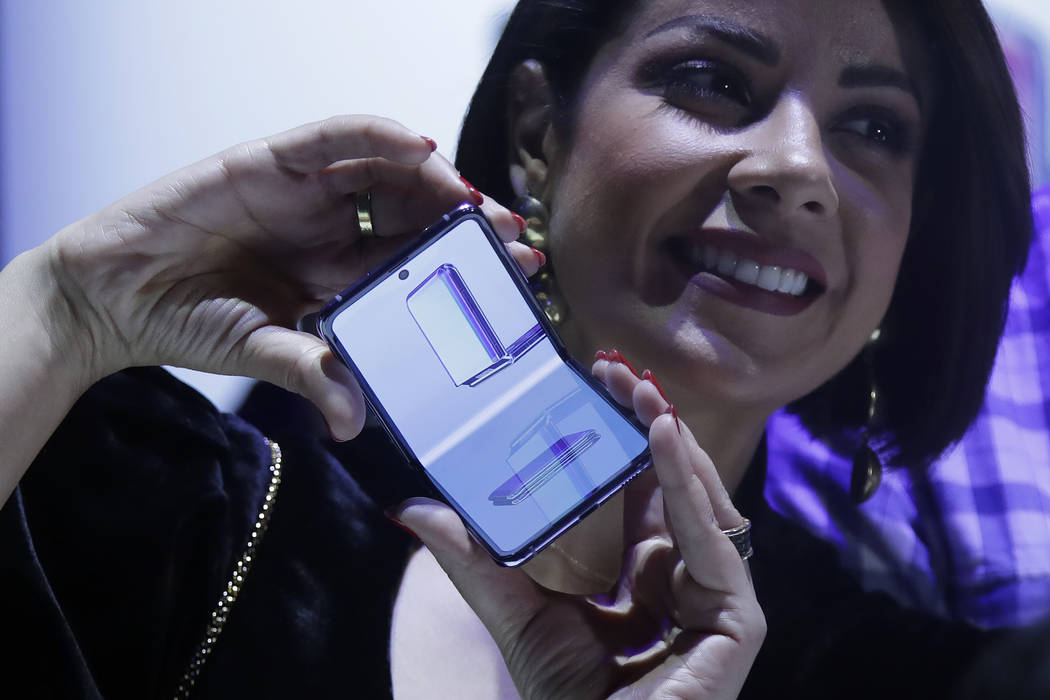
(313,147)
(435,179)
(529,259)
(645,576)
(504,599)
(710,557)
(507,225)
(618,379)
(600,368)
(302,363)
(649,402)
(358,174)
(624,383)
(695,606)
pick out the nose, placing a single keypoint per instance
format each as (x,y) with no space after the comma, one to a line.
(784,165)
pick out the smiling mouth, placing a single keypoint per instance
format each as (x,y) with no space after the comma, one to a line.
(693,258)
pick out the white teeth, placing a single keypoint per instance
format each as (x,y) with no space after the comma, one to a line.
(747,271)
(800,283)
(771,278)
(726,262)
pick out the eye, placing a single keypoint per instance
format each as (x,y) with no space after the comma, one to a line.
(878,127)
(711,90)
(706,80)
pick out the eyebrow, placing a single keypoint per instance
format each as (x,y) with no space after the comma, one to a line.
(878,76)
(743,38)
(765,50)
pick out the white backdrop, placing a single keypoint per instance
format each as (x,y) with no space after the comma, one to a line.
(101,97)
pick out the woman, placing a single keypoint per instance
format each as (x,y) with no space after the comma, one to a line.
(654,129)
(813,127)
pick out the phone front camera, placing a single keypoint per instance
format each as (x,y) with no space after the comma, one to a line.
(403,275)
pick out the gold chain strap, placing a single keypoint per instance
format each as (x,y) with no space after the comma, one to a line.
(236,581)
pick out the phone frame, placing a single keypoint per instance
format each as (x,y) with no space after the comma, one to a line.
(428,237)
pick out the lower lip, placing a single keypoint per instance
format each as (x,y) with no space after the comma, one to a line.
(750,296)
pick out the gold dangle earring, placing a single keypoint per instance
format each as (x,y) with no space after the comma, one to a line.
(867,469)
(544,286)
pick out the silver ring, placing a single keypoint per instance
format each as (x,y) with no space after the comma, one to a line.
(363,202)
(740,536)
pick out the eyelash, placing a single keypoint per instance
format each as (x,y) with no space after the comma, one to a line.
(884,129)
(723,86)
(724,82)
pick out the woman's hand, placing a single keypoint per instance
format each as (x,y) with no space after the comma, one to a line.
(211,267)
(684,621)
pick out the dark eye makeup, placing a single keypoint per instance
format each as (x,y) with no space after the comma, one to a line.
(718,93)
(879,126)
(705,80)
(709,89)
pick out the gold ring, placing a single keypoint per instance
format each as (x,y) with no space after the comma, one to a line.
(740,536)
(363,202)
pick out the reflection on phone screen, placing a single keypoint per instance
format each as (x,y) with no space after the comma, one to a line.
(506,429)
(457,330)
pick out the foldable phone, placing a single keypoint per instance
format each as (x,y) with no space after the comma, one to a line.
(471,382)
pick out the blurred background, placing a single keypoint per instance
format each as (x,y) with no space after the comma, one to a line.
(100,98)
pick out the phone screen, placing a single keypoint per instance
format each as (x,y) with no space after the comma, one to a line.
(464,372)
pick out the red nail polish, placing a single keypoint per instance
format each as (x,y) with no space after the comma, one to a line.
(401,525)
(475,195)
(540,257)
(520,222)
(651,378)
(431,142)
(674,414)
(617,356)
(601,355)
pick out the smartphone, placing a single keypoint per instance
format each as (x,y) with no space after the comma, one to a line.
(473,385)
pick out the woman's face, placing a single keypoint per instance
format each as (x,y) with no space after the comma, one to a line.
(721,150)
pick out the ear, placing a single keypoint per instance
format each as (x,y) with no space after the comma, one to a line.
(530,134)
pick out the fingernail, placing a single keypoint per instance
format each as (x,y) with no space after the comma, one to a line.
(520,222)
(540,257)
(617,356)
(475,195)
(651,378)
(400,524)
(601,355)
(674,414)
(430,142)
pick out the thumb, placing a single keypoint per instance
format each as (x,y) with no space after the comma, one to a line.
(505,599)
(303,363)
